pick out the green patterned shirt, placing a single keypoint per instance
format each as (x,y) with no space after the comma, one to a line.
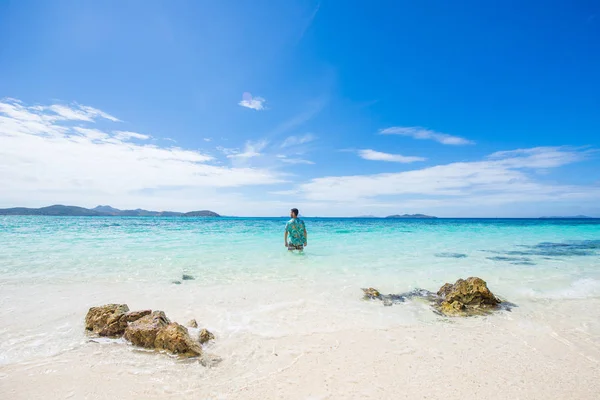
(295,229)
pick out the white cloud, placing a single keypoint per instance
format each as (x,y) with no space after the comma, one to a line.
(285,159)
(379,156)
(502,179)
(124,135)
(74,113)
(252,149)
(541,157)
(45,161)
(422,133)
(298,140)
(92,134)
(255,103)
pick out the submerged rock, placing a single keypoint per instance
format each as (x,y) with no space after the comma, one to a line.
(175,339)
(204,336)
(192,323)
(466,297)
(450,255)
(463,298)
(210,360)
(143,332)
(390,299)
(107,320)
(187,277)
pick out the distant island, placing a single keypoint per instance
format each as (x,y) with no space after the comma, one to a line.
(569,217)
(410,216)
(101,211)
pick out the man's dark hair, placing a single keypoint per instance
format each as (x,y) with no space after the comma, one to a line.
(295,212)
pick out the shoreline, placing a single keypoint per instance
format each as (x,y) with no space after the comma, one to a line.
(494,357)
(297,345)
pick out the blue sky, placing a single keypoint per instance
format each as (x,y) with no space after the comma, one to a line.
(339,108)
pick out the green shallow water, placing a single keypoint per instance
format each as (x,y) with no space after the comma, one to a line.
(406,253)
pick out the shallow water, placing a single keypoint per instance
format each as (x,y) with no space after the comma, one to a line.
(246,283)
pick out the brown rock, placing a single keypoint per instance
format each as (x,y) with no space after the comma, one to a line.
(143,332)
(466,297)
(107,320)
(192,324)
(371,293)
(132,316)
(205,336)
(444,290)
(176,339)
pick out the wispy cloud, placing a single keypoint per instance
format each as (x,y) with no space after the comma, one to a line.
(313,108)
(425,134)
(298,140)
(255,103)
(252,149)
(502,178)
(124,135)
(541,157)
(75,112)
(373,155)
(291,160)
(309,21)
(47,159)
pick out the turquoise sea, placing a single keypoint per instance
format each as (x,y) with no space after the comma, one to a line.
(53,268)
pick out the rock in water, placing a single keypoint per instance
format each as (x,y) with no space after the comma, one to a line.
(187,277)
(143,332)
(107,320)
(146,328)
(371,293)
(466,297)
(205,336)
(192,324)
(176,339)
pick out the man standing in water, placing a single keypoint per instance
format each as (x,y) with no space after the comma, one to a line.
(295,231)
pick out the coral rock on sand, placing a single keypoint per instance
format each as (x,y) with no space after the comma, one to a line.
(205,336)
(155,331)
(146,328)
(132,316)
(176,339)
(111,319)
(107,320)
(466,297)
(463,298)
(192,324)
(371,293)
(143,332)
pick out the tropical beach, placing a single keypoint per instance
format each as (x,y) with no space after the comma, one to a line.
(299,199)
(298,325)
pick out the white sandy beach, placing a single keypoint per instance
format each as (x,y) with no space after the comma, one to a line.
(302,343)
